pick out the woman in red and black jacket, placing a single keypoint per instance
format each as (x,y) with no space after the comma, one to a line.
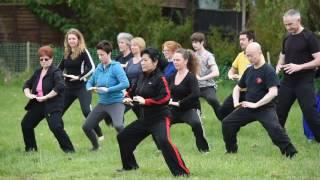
(45,89)
(152,96)
(185,92)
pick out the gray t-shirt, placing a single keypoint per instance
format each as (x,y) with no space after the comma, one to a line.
(206,60)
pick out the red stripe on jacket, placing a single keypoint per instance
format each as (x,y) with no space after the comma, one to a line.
(165,99)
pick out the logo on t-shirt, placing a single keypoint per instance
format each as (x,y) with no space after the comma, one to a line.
(258,80)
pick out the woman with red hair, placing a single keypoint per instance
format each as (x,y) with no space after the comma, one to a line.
(45,91)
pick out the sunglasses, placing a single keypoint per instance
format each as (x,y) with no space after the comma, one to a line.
(44,59)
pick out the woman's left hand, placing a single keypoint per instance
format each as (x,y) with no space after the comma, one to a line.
(139,99)
(173,103)
(41,99)
(72,77)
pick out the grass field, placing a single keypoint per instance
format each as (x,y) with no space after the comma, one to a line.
(257,158)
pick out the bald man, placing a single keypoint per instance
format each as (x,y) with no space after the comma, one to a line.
(262,84)
(299,57)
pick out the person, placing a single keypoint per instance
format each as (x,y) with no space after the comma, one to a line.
(45,89)
(108,80)
(152,95)
(262,84)
(208,71)
(168,49)
(185,92)
(238,67)
(77,65)
(125,55)
(134,69)
(298,59)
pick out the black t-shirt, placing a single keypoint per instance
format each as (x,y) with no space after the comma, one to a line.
(123,60)
(298,49)
(187,92)
(258,81)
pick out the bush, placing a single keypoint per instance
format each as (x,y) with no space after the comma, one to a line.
(225,48)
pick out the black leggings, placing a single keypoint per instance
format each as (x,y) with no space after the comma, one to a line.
(192,118)
(55,123)
(135,132)
(209,94)
(85,97)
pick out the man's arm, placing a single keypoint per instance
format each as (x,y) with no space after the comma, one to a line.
(214,73)
(272,93)
(233,73)
(280,63)
(291,68)
(236,95)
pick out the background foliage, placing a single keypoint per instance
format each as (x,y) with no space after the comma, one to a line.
(105,19)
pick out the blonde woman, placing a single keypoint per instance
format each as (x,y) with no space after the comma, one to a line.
(77,65)
(133,68)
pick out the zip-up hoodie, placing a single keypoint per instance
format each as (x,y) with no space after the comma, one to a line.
(112,77)
(155,90)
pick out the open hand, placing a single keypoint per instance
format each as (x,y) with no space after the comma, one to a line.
(41,99)
(72,77)
(31,96)
(291,68)
(247,104)
(139,99)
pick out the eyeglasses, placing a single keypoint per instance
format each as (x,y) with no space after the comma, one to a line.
(44,59)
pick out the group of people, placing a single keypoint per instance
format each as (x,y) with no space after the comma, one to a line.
(162,92)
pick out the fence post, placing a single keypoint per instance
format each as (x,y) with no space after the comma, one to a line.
(268,57)
(243,13)
(28,56)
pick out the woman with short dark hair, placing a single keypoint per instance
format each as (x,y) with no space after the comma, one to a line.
(108,81)
(152,96)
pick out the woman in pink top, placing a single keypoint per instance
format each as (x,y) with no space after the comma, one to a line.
(45,91)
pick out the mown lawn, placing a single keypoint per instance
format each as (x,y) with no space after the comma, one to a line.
(257,158)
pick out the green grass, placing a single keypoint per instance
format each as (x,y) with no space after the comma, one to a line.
(257,158)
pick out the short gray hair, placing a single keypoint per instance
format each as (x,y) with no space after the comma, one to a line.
(125,36)
(292,12)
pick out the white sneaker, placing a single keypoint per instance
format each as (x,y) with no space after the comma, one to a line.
(101,138)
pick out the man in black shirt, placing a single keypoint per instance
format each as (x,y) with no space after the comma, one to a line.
(262,83)
(299,57)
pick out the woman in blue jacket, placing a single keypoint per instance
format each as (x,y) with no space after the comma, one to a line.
(108,80)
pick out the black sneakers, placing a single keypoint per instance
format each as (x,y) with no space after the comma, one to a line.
(231,149)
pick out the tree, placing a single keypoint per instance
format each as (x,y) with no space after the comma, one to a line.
(99,20)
